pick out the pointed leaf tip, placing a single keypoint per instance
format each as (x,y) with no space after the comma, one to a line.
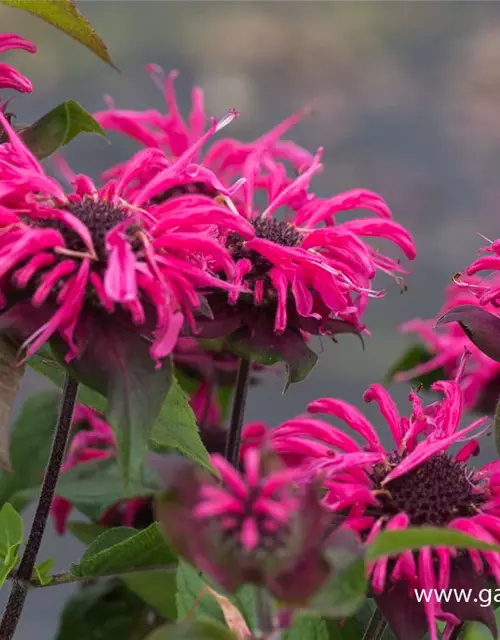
(64,15)
(480,326)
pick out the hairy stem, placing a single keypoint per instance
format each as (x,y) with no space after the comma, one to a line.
(17,597)
(376,627)
(240,398)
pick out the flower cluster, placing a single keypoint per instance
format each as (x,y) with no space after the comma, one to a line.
(95,251)
(306,271)
(418,482)
(446,345)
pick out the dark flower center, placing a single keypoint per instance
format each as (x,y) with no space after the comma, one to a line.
(277,231)
(98,216)
(199,188)
(435,493)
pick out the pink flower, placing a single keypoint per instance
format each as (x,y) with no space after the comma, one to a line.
(9,77)
(94,440)
(418,482)
(481,380)
(256,526)
(64,257)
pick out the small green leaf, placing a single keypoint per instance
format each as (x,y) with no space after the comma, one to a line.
(261,344)
(11,530)
(122,549)
(58,128)
(176,428)
(202,629)
(192,592)
(43,570)
(307,625)
(104,610)
(64,15)
(395,542)
(10,379)
(30,440)
(85,532)
(415,355)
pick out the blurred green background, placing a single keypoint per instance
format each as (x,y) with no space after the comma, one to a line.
(408,104)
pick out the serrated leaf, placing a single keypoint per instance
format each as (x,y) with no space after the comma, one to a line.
(415,355)
(193,596)
(58,128)
(85,532)
(94,486)
(117,363)
(307,625)
(122,549)
(156,588)
(64,15)
(104,610)
(43,570)
(10,379)
(30,440)
(176,428)
(202,629)
(395,542)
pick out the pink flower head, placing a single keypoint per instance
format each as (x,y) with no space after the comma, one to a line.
(65,256)
(174,135)
(446,345)
(94,439)
(9,77)
(418,482)
(255,526)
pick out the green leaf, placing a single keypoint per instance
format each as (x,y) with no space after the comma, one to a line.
(94,486)
(192,594)
(202,629)
(10,379)
(344,592)
(11,537)
(30,440)
(11,530)
(478,631)
(121,549)
(395,542)
(85,532)
(176,429)
(157,588)
(415,355)
(105,610)
(43,570)
(58,128)
(307,625)
(117,363)
(64,15)
(261,344)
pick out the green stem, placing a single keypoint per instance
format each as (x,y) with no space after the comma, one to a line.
(68,578)
(376,627)
(264,614)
